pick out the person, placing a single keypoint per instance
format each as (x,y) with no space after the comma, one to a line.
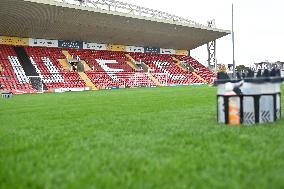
(78,58)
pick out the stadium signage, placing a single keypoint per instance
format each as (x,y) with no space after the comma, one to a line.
(43,42)
(266,65)
(70,44)
(113,47)
(182,52)
(134,49)
(94,46)
(167,51)
(152,50)
(17,41)
(14,41)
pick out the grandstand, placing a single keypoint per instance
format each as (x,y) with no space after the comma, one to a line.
(47,47)
(144,137)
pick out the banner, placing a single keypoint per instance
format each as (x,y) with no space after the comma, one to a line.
(112,47)
(182,52)
(14,41)
(134,49)
(43,42)
(151,50)
(167,51)
(70,44)
(94,46)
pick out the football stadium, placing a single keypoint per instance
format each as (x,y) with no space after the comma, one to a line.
(105,94)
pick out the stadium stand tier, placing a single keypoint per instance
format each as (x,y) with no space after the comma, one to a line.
(12,74)
(200,69)
(67,68)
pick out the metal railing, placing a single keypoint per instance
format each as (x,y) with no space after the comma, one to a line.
(126,8)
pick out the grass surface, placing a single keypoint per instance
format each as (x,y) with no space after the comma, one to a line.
(133,138)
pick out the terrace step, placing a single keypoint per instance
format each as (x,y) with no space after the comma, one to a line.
(66,66)
(156,81)
(182,66)
(67,55)
(86,66)
(145,67)
(199,77)
(87,80)
(131,62)
(130,58)
(132,65)
(179,64)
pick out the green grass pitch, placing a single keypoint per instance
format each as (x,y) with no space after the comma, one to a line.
(134,138)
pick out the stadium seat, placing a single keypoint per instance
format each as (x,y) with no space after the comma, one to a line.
(201,70)
(12,76)
(161,63)
(54,76)
(105,69)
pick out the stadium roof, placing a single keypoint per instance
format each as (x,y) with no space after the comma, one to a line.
(91,22)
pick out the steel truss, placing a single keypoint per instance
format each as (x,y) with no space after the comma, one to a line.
(126,8)
(211,49)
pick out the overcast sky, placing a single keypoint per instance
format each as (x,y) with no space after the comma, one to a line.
(259,26)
